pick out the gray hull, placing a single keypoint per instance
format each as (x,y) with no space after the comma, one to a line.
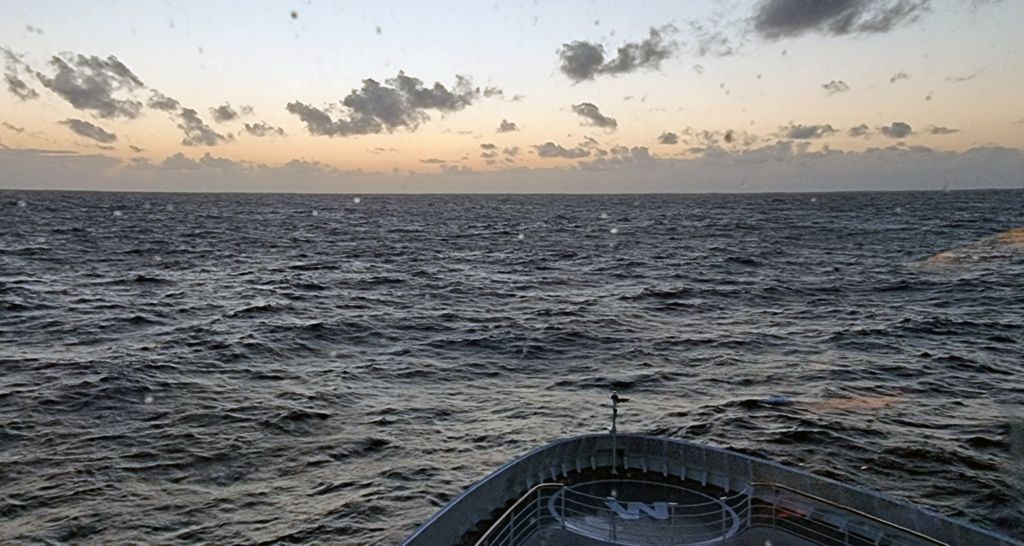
(670,491)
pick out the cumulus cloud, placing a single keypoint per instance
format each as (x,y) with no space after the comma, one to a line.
(618,157)
(90,83)
(262,129)
(939,130)
(88,130)
(225,112)
(775,19)
(550,150)
(507,126)
(899,76)
(593,116)
(197,132)
(859,131)
(806,132)
(159,101)
(583,60)
(402,102)
(835,86)
(13,67)
(511,151)
(897,129)
(668,138)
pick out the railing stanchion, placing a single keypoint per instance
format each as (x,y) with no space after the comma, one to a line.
(722,500)
(561,492)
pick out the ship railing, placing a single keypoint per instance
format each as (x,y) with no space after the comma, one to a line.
(717,521)
(528,515)
(825,522)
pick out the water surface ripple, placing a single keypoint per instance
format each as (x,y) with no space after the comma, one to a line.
(312,369)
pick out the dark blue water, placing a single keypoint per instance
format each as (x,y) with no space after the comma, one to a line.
(300,369)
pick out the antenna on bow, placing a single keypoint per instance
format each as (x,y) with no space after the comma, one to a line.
(616,400)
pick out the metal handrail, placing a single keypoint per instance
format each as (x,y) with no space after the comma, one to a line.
(865,515)
(508,513)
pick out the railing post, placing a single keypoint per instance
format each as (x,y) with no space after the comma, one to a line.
(722,500)
(562,502)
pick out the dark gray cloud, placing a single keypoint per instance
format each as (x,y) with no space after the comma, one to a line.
(402,102)
(13,67)
(835,86)
(620,156)
(198,133)
(897,129)
(90,82)
(939,130)
(806,132)
(14,128)
(961,79)
(593,116)
(262,129)
(859,131)
(583,60)
(159,101)
(226,112)
(136,149)
(775,19)
(550,149)
(899,76)
(507,126)
(668,138)
(488,146)
(88,130)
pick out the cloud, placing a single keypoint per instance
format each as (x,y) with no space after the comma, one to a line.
(593,116)
(583,60)
(198,133)
(262,129)
(225,112)
(511,151)
(806,132)
(159,101)
(961,79)
(550,149)
(899,76)
(619,157)
(488,146)
(136,149)
(897,129)
(939,130)
(835,86)
(668,138)
(402,103)
(14,128)
(489,92)
(88,130)
(433,161)
(90,82)
(859,131)
(774,19)
(507,126)
(13,66)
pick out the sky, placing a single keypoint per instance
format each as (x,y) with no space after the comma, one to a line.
(568,97)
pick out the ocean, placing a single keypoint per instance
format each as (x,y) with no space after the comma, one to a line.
(257,369)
